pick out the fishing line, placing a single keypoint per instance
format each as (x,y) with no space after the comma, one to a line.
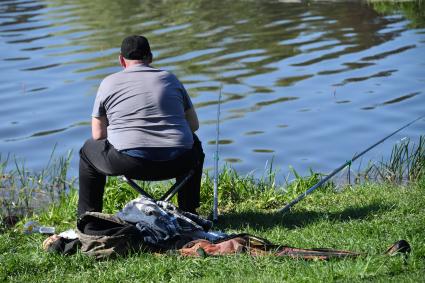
(347,163)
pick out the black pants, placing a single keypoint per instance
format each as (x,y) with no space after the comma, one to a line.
(98,159)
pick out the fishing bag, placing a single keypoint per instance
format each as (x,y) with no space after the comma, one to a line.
(105,235)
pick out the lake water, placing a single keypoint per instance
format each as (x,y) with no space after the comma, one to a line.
(304,84)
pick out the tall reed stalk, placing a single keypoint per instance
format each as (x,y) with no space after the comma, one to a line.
(23,191)
(406,163)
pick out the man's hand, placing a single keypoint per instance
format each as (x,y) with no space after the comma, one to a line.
(98,128)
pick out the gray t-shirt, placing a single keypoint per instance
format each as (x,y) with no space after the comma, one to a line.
(145,107)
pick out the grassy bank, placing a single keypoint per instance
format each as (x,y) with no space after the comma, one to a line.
(365,217)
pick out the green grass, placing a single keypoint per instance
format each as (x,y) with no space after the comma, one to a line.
(365,217)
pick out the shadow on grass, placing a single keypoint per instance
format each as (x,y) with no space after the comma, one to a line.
(297,219)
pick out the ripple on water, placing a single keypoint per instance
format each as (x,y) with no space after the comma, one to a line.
(274,62)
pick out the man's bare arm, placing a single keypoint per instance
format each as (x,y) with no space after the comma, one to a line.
(192,119)
(98,127)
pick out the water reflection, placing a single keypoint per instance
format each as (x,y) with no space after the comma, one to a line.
(241,42)
(253,133)
(263,150)
(220,141)
(46,133)
(232,160)
(386,73)
(290,73)
(392,101)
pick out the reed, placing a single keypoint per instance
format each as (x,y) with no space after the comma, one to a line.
(405,164)
(23,192)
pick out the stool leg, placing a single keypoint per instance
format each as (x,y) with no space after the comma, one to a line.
(177,186)
(137,188)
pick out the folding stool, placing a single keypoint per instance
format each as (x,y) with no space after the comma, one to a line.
(171,191)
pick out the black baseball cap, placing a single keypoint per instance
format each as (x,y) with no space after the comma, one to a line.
(135,47)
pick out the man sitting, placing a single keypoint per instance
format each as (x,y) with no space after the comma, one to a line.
(143,125)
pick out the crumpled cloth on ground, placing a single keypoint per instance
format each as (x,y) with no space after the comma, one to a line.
(200,248)
(160,222)
(62,245)
(70,234)
(256,246)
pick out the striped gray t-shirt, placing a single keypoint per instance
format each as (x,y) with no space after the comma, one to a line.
(145,107)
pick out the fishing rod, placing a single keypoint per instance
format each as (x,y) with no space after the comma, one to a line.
(347,163)
(215,201)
